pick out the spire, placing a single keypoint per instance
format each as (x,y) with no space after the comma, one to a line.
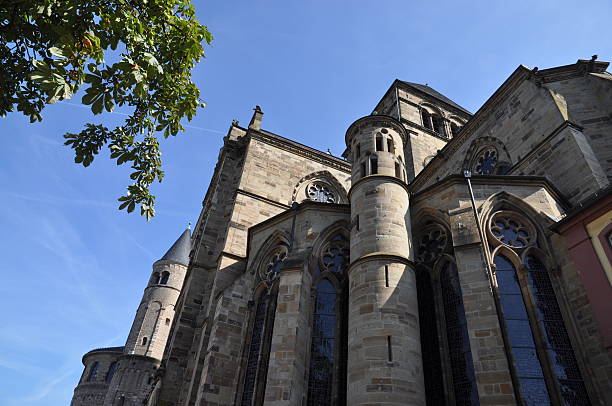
(179,252)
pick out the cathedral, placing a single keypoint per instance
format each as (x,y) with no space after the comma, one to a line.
(447,258)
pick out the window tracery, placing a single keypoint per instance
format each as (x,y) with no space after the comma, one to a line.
(539,344)
(432,243)
(269,271)
(328,349)
(511,229)
(486,161)
(320,192)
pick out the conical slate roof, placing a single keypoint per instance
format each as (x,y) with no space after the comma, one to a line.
(179,252)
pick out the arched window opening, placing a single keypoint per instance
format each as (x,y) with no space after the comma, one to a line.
(455,129)
(462,365)
(155,278)
(374,165)
(258,351)
(164,278)
(554,333)
(379,142)
(437,123)
(523,351)
(390,145)
(430,345)
(323,357)
(426,118)
(398,170)
(111,371)
(93,372)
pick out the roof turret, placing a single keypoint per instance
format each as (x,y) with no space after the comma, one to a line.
(179,252)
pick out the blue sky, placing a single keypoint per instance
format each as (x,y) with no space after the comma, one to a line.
(74,267)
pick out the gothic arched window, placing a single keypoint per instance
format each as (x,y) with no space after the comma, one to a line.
(543,362)
(93,372)
(256,369)
(527,367)
(556,338)
(462,365)
(329,346)
(111,371)
(426,119)
(323,345)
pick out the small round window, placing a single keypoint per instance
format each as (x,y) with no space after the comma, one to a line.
(511,229)
(486,161)
(320,192)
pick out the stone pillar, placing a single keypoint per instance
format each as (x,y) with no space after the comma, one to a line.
(384,361)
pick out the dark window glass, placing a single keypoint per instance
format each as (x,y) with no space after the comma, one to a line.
(363,169)
(486,162)
(155,278)
(323,347)
(438,124)
(111,371)
(556,338)
(164,278)
(532,386)
(462,366)
(374,165)
(426,117)
(390,146)
(255,347)
(379,143)
(93,372)
(430,346)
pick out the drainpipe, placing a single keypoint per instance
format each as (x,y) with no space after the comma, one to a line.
(500,317)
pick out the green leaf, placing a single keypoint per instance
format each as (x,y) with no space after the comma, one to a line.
(98,105)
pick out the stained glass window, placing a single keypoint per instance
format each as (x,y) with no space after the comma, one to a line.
(529,374)
(556,339)
(510,231)
(430,346)
(320,192)
(486,162)
(322,350)
(431,244)
(255,349)
(336,255)
(462,366)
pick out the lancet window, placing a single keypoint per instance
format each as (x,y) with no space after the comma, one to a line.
(328,348)
(111,371)
(447,357)
(544,365)
(93,372)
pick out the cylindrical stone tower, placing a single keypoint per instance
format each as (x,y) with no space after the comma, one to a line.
(384,350)
(137,367)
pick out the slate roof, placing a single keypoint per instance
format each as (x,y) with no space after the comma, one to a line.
(434,93)
(179,252)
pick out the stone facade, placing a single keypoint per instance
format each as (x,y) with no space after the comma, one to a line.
(390,276)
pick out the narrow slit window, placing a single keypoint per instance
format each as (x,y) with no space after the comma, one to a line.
(144,340)
(374,165)
(389,349)
(357,152)
(398,170)
(387,276)
(379,143)
(363,169)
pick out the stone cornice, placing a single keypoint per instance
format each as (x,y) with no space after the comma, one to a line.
(503,180)
(372,120)
(375,256)
(301,150)
(262,198)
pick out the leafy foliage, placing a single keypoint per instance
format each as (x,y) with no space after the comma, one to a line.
(49,49)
